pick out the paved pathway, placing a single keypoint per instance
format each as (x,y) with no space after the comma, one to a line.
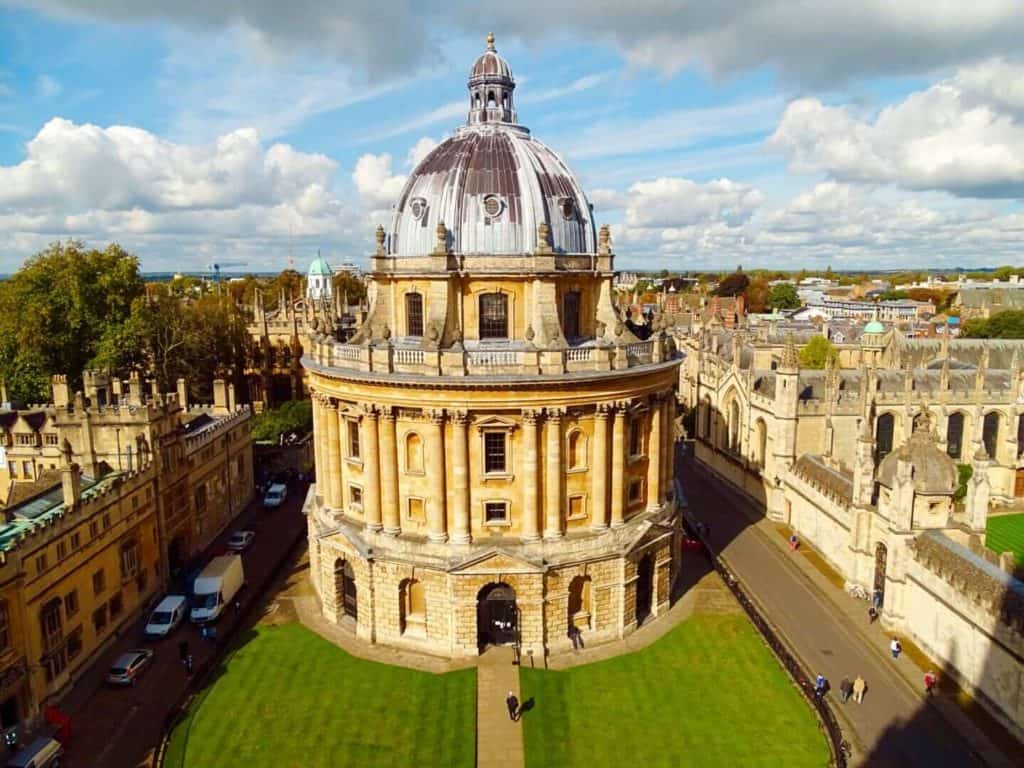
(894,726)
(499,739)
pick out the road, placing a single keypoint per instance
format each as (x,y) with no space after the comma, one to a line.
(893,726)
(119,727)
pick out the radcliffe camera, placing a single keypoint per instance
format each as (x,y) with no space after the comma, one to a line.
(416,387)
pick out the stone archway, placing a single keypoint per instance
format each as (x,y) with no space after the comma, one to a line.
(497,615)
(881,562)
(644,588)
(345,589)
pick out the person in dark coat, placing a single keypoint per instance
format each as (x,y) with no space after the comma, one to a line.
(513,706)
(845,689)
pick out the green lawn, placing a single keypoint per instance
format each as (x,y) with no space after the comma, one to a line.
(1005,533)
(290,699)
(709,693)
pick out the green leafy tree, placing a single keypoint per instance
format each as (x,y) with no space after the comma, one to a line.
(291,416)
(55,311)
(1002,325)
(816,352)
(783,296)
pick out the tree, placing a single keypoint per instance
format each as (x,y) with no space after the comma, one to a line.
(756,294)
(733,285)
(783,296)
(55,311)
(291,416)
(1002,325)
(816,352)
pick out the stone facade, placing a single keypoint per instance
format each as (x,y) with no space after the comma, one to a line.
(493,445)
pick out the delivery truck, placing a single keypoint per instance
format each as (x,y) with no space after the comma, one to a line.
(215,587)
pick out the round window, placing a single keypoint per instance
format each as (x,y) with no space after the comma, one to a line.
(492,205)
(568,207)
(418,207)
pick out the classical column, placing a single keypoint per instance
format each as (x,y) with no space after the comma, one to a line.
(389,473)
(319,445)
(371,469)
(332,470)
(599,471)
(654,454)
(437,504)
(460,478)
(668,429)
(553,476)
(618,464)
(529,525)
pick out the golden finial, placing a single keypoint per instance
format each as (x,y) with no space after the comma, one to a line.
(490,41)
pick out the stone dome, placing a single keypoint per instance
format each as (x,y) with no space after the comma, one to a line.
(933,472)
(492,184)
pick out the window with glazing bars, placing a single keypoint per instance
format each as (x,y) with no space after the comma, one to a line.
(571,315)
(414,314)
(494,452)
(494,316)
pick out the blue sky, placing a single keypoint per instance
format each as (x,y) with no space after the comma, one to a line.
(707,136)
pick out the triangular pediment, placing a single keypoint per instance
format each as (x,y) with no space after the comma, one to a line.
(495,422)
(497,561)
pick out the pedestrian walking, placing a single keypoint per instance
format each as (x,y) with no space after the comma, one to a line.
(794,542)
(513,706)
(820,686)
(876,599)
(845,690)
(930,681)
(872,614)
(188,664)
(858,689)
(895,648)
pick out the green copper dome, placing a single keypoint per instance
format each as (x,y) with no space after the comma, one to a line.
(874,327)
(319,267)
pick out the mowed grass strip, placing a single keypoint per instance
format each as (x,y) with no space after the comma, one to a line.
(1005,533)
(287,698)
(709,693)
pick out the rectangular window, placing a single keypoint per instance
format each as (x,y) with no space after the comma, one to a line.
(414,314)
(355,496)
(99,619)
(62,550)
(71,603)
(94,529)
(494,453)
(51,624)
(495,512)
(116,606)
(636,491)
(129,560)
(494,316)
(571,315)
(636,436)
(41,563)
(50,439)
(76,540)
(55,664)
(106,522)
(353,439)
(577,507)
(414,510)
(99,582)
(26,467)
(74,646)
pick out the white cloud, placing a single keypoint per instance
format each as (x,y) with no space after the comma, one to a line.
(964,135)
(824,42)
(377,186)
(419,150)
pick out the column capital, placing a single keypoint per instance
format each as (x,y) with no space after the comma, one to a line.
(621,407)
(369,411)
(554,414)
(388,412)
(602,411)
(531,416)
(458,417)
(434,415)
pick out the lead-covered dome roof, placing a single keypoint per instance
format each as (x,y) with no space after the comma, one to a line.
(491,183)
(932,470)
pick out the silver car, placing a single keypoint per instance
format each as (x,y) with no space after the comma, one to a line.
(129,666)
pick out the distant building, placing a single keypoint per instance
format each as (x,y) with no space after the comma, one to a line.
(319,280)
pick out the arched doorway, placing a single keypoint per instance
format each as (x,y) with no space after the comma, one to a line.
(497,618)
(345,588)
(579,603)
(881,558)
(644,587)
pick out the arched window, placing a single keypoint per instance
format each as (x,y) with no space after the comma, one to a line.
(345,589)
(491,102)
(1020,436)
(413,453)
(884,426)
(990,433)
(571,315)
(706,426)
(761,432)
(955,435)
(493,316)
(413,314)
(577,449)
(734,426)
(579,603)
(412,608)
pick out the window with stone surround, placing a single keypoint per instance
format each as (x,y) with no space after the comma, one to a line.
(495,453)
(413,454)
(353,438)
(577,450)
(355,497)
(636,491)
(495,512)
(414,509)
(413,604)
(571,315)
(494,316)
(577,507)
(414,314)
(636,436)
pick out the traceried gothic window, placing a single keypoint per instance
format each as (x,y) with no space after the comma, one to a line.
(414,314)
(990,434)
(884,427)
(1020,436)
(571,315)
(494,316)
(955,435)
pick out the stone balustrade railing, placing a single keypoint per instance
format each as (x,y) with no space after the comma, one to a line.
(386,357)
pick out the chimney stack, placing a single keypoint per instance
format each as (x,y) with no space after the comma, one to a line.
(183,394)
(220,397)
(71,484)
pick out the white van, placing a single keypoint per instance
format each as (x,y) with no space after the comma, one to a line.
(166,617)
(41,753)
(275,495)
(215,587)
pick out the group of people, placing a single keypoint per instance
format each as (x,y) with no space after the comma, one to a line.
(854,689)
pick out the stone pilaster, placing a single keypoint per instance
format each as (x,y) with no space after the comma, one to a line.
(668,429)
(371,471)
(437,524)
(553,476)
(319,444)
(599,469)
(529,525)
(654,455)
(391,512)
(618,464)
(335,499)
(460,478)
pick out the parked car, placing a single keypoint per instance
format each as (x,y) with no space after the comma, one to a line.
(129,666)
(275,495)
(167,616)
(216,587)
(240,540)
(41,753)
